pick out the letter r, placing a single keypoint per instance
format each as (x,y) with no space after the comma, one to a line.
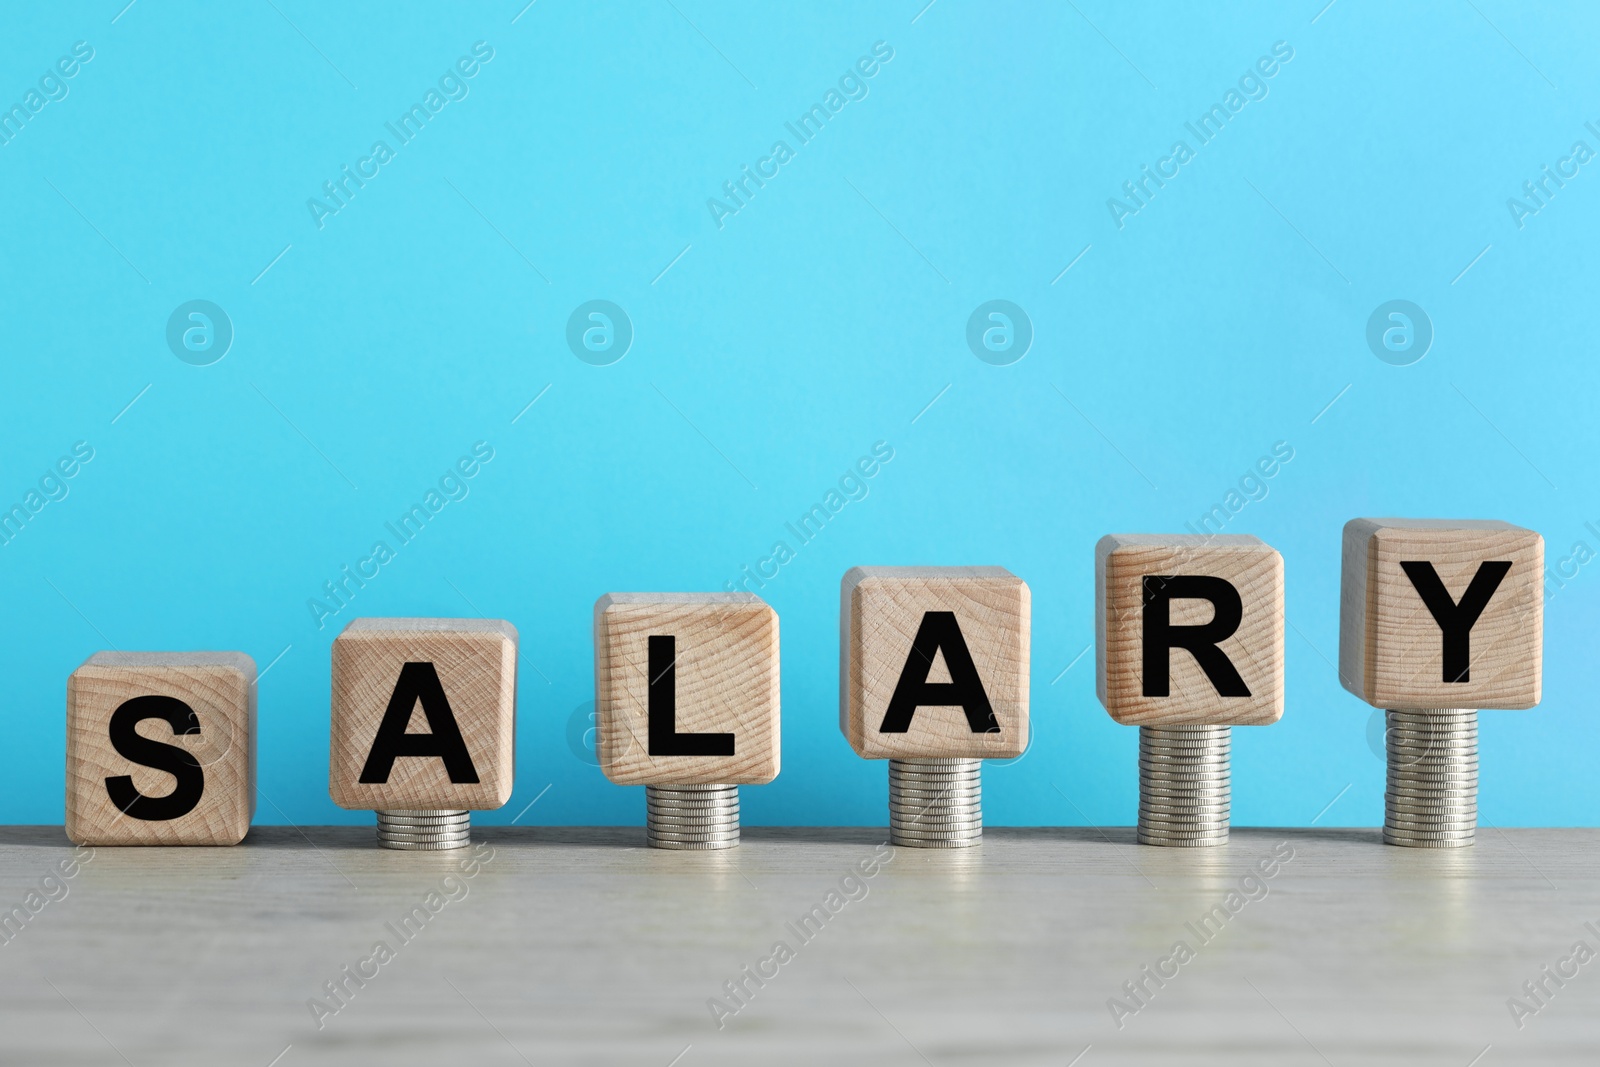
(1201,641)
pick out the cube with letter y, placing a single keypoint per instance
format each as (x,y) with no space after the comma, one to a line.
(424,714)
(161,748)
(1189,629)
(686,688)
(934,662)
(1441,613)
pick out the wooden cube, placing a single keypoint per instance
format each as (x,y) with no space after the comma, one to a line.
(686,688)
(933,662)
(1441,613)
(1189,629)
(161,748)
(424,714)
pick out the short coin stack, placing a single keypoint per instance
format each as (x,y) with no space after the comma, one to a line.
(1184,785)
(692,816)
(934,679)
(935,802)
(424,831)
(1432,799)
(687,705)
(460,675)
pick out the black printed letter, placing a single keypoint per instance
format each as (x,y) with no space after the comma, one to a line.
(149,753)
(1456,620)
(1160,636)
(665,740)
(938,633)
(419,681)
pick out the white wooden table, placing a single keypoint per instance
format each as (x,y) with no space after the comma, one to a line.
(576,946)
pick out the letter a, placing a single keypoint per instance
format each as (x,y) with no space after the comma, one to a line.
(419,682)
(939,633)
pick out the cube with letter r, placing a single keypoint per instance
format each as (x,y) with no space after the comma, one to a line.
(1189,629)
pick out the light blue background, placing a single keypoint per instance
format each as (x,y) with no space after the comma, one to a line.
(824,316)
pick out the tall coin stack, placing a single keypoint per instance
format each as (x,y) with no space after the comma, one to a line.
(692,816)
(424,831)
(1436,614)
(1184,785)
(935,803)
(1432,799)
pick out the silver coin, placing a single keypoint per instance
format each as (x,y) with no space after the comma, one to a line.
(905,837)
(1442,770)
(937,826)
(1166,806)
(1181,842)
(1443,788)
(1411,791)
(1206,834)
(1182,833)
(1187,745)
(1406,834)
(918,830)
(936,820)
(1183,825)
(1431,804)
(935,789)
(973,816)
(1429,826)
(682,810)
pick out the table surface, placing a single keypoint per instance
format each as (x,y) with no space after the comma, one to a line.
(579,945)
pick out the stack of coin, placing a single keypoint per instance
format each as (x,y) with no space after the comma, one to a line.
(692,816)
(935,803)
(1432,800)
(1184,787)
(426,831)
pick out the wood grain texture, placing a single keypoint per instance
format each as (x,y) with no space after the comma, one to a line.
(726,682)
(880,612)
(219,687)
(476,661)
(1390,646)
(1255,569)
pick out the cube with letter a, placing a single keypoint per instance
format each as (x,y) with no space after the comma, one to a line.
(1189,629)
(161,748)
(424,714)
(686,688)
(934,662)
(1441,613)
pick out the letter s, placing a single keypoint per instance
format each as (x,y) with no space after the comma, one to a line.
(151,753)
